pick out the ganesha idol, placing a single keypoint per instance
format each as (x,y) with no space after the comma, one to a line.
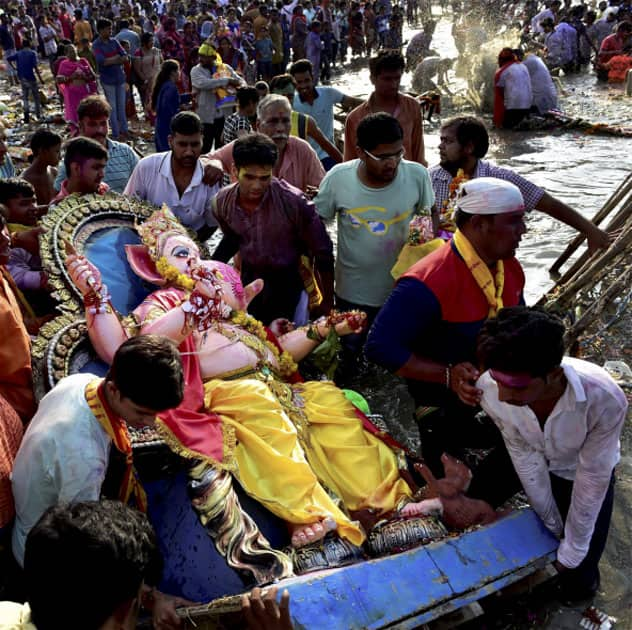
(246,409)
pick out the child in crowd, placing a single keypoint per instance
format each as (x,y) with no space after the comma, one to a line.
(314,47)
(17,197)
(264,49)
(327,53)
(41,174)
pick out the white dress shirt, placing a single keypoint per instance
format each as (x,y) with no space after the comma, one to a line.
(580,442)
(152,180)
(63,457)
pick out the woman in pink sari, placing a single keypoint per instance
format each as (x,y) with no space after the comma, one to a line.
(76,80)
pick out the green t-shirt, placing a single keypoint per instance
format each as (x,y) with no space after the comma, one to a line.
(372,226)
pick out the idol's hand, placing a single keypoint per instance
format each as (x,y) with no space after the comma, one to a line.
(463,377)
(84,275)
(347,323)
(281,326)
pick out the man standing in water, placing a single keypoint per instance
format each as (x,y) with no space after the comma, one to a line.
(386,72)
(463,143)
(561,419)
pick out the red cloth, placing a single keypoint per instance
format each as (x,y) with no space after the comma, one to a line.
(499,96)
(195,428)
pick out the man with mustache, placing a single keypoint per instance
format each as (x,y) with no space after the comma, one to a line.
(297,162)
(463,143)
(175,177)
(426,331)
(93,114)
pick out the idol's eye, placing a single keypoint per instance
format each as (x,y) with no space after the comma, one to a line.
(180,252)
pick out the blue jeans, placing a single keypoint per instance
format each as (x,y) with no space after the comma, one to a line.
(116,97)
(30,86)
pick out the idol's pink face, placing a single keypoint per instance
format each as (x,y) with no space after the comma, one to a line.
(182,253)
(233,292)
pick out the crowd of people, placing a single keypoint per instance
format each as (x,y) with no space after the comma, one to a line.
(243,121)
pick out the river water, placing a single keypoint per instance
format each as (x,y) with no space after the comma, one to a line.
(580,169)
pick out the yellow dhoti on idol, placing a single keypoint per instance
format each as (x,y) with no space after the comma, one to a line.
(276,422)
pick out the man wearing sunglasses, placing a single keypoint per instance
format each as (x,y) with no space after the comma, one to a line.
(374,197)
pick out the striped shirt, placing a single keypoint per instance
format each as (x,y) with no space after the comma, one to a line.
(441,179)
(121,163)
(6,168)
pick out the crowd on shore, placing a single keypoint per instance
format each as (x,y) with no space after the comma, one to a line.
(423,279)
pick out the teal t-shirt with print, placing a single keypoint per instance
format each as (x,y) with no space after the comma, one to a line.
(372,226)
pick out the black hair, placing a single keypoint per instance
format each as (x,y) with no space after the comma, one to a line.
(246,95)
(281,81)
(254,149)
(93,106)
(470,129)
(380,128)
(44,139)
(14,187)
(148,370)
(522,339)
(96,552)
(166,69)
(146,37)
(461,218)
(103,23)
(80,149)
(302,65)
(386,60)
(185,123)
(78,14)
(123,24)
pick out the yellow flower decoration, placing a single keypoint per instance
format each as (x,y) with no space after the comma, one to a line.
(173,276)
(287,365)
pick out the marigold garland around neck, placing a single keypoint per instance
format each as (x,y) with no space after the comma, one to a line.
(446,217)
(172,275)
(287,365)
(117,430)
(492,287)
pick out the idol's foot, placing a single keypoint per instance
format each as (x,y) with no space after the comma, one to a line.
(427,507)
(307,533)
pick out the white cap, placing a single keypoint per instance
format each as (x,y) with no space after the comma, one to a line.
(488,195)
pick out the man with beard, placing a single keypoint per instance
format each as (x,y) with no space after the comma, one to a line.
(374,198)
(297,162)
(175,177)
(463,143)
(426,331)
(93,114)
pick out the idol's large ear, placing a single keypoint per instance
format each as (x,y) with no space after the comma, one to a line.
(253,289)
(142,264)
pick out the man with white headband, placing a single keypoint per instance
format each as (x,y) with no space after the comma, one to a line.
(561,420)
(426,330)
